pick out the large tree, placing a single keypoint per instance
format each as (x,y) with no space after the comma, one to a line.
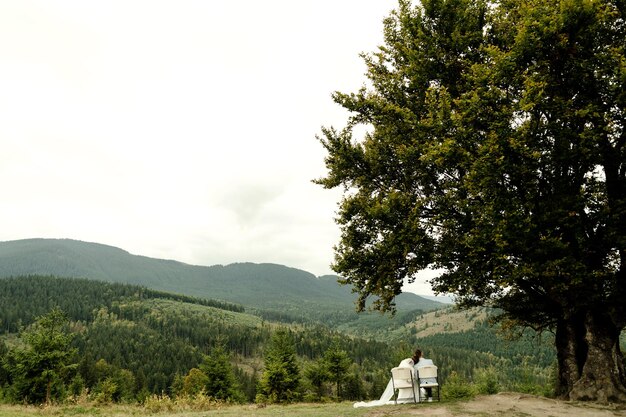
(495,152)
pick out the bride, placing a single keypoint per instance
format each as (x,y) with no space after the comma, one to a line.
(404,394)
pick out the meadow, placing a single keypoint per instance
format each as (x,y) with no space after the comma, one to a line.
(300,410)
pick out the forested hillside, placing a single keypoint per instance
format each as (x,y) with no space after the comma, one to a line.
(159,337)
(131,342)
(277,292)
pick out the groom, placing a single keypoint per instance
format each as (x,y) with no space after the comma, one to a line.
(419,360)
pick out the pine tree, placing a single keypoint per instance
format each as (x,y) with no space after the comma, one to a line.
(45,363)
(221,383)
(337,363)
(281,379)
(317,374)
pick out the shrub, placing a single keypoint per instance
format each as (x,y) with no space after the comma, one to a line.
(184,402)
(105,391)
(457,388)
(486,381)
(158,403)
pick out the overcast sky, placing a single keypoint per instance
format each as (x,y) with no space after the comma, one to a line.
(178,129)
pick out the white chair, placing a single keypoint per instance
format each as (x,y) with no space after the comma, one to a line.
(427,378)
(402,379)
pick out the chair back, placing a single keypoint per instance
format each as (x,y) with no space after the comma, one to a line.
(428,371)
(402,377)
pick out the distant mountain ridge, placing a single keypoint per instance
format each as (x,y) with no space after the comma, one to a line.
(260,286)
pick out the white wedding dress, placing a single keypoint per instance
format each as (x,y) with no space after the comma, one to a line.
(404,394)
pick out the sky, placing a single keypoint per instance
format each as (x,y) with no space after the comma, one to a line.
(182,129)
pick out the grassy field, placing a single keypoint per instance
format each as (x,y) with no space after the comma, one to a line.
(294,410)
(505,404)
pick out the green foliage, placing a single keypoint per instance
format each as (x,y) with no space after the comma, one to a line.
(221,383)
(317,375)
(155,342)
(248,382)
(105,391)
(194,382)
(532,379)
(333,367)
(159,338)
(486,381)
(456,387)
(398,180)
(4,375)
(153,356)
(495,151)
(24,298)
(353,387)
(337,363)
(76,386)
(112,384)
(280,381)
(483,347)
(38,371)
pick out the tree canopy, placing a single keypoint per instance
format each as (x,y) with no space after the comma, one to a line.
(495,151)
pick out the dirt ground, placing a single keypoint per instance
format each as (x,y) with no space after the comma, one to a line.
(510,405)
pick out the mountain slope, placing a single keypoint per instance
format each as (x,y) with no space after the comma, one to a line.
(272,287)
(157,336)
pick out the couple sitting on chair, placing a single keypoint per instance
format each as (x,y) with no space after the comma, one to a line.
(406,391)
(420,361)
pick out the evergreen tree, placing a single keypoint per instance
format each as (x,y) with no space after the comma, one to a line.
(3,353)
(353,387)
(178,385)
(337,363)
(126,386)
(221,383)
(317,374)
(248,383)
(4,375)
(280,381)
(41,368)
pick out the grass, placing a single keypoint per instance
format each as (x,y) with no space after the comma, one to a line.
(343,409)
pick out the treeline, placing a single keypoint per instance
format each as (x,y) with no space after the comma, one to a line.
(484,338)
(24,298)
(159,340)
(131,343)
(128,330)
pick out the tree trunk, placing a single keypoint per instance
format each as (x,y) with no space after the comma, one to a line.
(570,354)
(48,392)
(591,365)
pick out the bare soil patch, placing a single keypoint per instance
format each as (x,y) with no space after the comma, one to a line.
(507,404)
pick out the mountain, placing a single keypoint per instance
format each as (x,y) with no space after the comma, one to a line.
(445,299)
(277,290)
